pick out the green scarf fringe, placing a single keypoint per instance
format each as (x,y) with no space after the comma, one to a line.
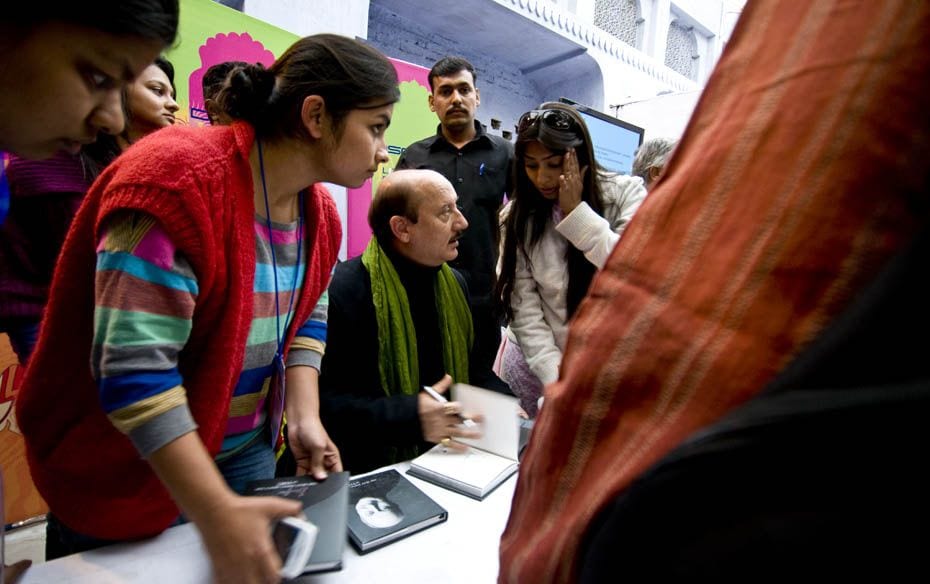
(398,365)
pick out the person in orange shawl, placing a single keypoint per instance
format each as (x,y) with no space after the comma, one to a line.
(798,190)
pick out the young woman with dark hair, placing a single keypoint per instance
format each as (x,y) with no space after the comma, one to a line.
(150,103)
(211,249)
(564,219)
(45,196)
(63,68)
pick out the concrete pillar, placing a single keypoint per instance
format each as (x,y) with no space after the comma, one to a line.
(584,12)
(658,15)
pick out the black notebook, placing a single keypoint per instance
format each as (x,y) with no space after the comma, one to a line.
(385,507)
(325,505)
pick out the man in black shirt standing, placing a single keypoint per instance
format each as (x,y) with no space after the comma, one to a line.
(478,165)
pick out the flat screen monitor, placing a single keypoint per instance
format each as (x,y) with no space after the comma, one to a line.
(615,141)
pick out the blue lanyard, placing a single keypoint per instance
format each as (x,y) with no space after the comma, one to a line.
(279,353)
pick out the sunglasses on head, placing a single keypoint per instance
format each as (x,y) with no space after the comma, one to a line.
(553,118)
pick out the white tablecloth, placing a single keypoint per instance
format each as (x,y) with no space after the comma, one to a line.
(463,549)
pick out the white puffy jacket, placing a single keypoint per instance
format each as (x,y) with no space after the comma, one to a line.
(540,287)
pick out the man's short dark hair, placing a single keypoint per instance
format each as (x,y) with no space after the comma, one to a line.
(450,66)
(400,199)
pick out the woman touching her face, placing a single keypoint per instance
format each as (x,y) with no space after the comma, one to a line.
(564,218)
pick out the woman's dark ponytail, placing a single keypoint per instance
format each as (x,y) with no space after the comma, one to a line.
(346,73)
(247,93)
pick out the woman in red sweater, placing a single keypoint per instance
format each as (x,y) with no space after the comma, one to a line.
(192,281)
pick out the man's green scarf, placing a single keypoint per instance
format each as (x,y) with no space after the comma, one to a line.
(398,364)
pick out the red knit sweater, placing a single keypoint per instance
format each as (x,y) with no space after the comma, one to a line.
(198,184)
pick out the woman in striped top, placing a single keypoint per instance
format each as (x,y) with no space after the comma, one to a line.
(214,247)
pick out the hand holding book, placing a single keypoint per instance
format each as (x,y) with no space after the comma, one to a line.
(325,504)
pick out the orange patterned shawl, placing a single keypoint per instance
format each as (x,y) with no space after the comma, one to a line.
(803,170)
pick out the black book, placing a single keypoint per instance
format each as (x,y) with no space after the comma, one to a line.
(325,505)
(385,507)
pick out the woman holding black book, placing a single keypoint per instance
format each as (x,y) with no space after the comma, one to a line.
(191,280)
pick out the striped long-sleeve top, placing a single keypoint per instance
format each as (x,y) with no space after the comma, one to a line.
(145,297)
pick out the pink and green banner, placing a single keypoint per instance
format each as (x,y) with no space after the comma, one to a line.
(412,121)
(211,33)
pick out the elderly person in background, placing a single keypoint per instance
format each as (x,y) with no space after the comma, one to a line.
(651,158)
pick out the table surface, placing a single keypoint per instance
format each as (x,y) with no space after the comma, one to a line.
(463,549)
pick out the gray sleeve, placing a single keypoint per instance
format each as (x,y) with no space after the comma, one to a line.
(306,357)
(162,429)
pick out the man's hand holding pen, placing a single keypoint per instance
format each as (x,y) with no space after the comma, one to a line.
(443,421)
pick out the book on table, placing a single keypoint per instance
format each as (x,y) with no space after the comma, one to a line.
(489,460)
(325,505)
(385,507)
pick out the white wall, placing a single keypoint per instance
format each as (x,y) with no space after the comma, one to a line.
(305,17)
(655,36)
(700,13)
(584,12)
(664,116)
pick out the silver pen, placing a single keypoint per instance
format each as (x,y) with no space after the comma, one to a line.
(467,422)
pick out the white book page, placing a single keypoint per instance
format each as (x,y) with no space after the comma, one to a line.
(501,425)
(474,467)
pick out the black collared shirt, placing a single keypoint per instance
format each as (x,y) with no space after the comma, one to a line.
(480,171)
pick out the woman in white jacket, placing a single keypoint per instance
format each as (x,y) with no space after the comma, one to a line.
(564,218)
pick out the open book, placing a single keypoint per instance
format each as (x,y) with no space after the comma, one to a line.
(325,504)
(491,458)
